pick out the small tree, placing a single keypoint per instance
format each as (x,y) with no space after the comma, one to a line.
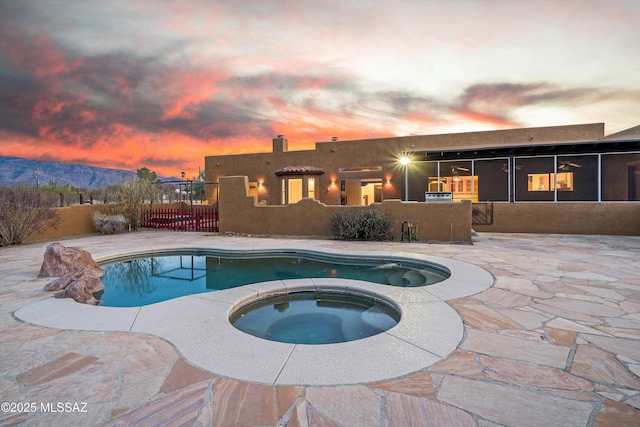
(146,174)
(129,198)
(198,187)
(23,213)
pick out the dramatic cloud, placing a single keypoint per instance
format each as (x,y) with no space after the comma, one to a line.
(162,84)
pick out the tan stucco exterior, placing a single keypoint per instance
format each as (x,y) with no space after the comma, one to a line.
(74,220)
(78,219)
(614,218)
(379,159)
(382,152)
(443,222)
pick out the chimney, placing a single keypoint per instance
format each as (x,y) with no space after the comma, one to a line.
(280,144)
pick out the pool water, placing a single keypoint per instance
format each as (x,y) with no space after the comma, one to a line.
(315,318)
(142,281)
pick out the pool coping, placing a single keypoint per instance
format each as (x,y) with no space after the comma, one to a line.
(198,326)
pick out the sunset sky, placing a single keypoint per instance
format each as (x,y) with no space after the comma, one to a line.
(162,84)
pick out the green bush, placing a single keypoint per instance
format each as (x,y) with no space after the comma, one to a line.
(360,224)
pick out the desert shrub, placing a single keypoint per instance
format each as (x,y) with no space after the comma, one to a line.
(109,224)
(360,224)
(129,198)
(24,212)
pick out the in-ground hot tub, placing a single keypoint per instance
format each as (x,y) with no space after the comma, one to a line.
(316,317)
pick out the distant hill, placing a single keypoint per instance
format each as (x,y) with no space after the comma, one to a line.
(14,170)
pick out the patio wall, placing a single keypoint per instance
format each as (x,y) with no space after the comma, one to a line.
(74,220)
(239,213)
(622,219)
(77,220)
(435,222)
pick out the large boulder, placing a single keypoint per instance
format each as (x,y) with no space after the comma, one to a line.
(79,285)
(60,260)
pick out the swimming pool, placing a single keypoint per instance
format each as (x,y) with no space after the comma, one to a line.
(145,279)
(199,328)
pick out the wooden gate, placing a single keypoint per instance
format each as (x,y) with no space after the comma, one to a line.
(195,219)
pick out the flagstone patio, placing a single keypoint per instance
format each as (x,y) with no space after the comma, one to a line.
(555,342)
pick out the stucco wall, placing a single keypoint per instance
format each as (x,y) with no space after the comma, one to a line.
(239,213)
(78,219)
(434,221)
(621,219)
(74,220)
(441,222)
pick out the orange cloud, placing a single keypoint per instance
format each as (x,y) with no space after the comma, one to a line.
(174,99)
(184,89)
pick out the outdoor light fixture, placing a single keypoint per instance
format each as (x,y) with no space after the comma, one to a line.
(405,160)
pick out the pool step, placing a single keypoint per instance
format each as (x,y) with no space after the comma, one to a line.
(408,278)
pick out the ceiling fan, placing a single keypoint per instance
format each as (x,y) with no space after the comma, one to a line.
(455,169)
(563,166)
(505,167)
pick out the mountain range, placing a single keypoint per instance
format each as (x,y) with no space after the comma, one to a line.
(15,170)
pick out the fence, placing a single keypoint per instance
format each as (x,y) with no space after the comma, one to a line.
(196,219)
(482,213)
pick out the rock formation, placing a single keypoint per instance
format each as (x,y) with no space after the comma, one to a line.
(80,273)
(60,260)
(79,285)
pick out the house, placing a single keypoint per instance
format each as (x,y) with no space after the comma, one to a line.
(517,172)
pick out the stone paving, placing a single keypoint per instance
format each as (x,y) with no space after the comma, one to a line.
(555,342)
